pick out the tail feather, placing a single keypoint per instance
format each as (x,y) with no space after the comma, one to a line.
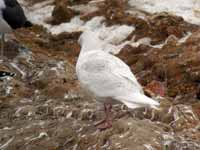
(131,105)
(138,100)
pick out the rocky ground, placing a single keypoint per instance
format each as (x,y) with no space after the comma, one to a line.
(44,108)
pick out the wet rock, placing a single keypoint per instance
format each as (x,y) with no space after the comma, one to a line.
(44,111)
(87,114)
(25,111)
(143,63)
(177,145)
(60,91)
(194,74)
(165,25)
(198,93)
(62,12)
(130,133)
(159,71)
(130,54)
(194,39)
(11,49)
(157,88)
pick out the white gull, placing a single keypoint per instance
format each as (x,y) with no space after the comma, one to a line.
(107,77)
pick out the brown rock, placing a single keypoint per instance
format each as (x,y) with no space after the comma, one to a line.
(62,13)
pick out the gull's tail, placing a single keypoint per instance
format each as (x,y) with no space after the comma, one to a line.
(137,100)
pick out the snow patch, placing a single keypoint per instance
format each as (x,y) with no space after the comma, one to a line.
(74,25)
(39,12)
(188,9)
(114,37)
(85,8)
(115,34)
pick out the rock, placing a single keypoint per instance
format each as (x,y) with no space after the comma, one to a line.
(194,74)
(87,114)
(131,133)
(157,88)
(159,71)
(55,91)
(62,13)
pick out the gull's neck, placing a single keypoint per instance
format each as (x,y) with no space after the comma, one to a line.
(91,44)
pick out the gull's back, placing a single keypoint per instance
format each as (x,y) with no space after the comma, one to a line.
(105,75)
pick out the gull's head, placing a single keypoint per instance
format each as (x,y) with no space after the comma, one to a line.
(89,40)
(86,36)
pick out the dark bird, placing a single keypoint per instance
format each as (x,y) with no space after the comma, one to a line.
(11,17)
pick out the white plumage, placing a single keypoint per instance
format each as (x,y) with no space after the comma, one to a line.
(106,76)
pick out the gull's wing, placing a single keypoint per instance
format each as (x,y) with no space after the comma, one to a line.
(106,75)
(124,71)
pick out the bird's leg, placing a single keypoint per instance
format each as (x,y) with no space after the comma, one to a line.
(107,122)
(2,44)
(108,111)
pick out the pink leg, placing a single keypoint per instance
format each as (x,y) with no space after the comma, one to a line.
(107,122)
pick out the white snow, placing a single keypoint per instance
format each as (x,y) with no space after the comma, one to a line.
(183,39)
(114,36)
(74,25)
(71,96)
(147,41)
(39,12)
(188,9)
(85,8)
